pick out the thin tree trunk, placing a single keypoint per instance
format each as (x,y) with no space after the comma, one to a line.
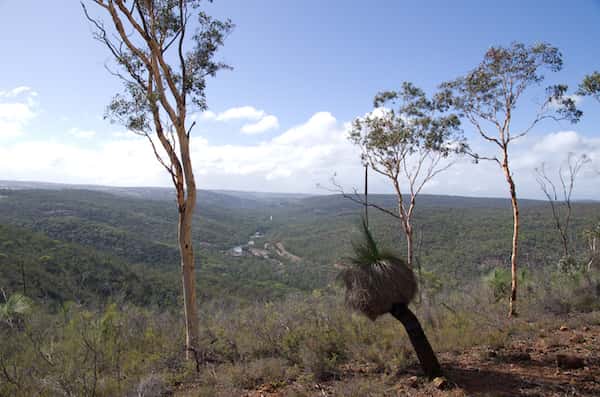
(367,195)
(406,226)
(189,283)
(23,278)
(409,246)
(565,241)
(427,358)
(186,247)
(512,305)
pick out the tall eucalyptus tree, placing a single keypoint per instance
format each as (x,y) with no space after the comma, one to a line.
(164,51)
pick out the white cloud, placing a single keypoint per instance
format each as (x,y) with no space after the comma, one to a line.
(237,113)
(83,134)
(559,142)
(262,121)
(241,113)
(263,125)
(120,162)
(17,91)
(295,160)
(16,110)
(320,128)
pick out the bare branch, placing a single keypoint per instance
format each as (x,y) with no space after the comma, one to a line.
(357,198)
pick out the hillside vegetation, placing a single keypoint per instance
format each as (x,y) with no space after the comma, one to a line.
(461,238)
(94,287)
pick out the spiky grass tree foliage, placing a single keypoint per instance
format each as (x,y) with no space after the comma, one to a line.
(378,282)
(376,279)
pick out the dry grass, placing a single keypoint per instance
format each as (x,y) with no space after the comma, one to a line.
(301,341)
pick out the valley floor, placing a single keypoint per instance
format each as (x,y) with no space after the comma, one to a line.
(560,360)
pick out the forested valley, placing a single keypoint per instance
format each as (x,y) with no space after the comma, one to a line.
(272,199)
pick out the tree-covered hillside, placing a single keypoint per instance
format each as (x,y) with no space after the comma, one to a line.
(459,236)
(86,245)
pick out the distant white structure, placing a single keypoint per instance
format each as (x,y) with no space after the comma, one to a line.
(237,251)
(251,243)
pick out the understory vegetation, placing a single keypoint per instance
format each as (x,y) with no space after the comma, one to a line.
(123,349)
(83,313)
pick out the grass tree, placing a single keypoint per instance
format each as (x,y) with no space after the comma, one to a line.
(379,282)
(488,97)
(164,51)
(407,139)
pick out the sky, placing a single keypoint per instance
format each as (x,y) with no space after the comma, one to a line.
(302,71)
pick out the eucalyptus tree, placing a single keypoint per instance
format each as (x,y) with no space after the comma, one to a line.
(164,51)
(488,97)
(590,86)
(408,139)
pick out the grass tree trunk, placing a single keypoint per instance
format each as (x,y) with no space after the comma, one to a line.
(427,358)
(512,305)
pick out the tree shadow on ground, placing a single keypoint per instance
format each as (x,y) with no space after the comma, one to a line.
(491,382)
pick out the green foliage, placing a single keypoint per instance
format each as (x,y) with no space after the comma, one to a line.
(590,86)
(49,270)
(499,282)
(490,92)
(569,265)
(93,245)
(182,81)
(431,283)
(366,251)
(389,136)
(83,352)
(15,308)
(124,350)
(90,246)
(566,292)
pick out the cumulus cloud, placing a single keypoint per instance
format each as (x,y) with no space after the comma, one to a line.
(261,121)
(295,160)
(120,162)
(309,152)
(263,125)
(237,113)
(17,108)
(560,142)
(17,91)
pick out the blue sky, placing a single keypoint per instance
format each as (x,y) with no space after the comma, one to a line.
(309,66)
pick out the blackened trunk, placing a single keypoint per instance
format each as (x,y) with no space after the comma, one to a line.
(425,354)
